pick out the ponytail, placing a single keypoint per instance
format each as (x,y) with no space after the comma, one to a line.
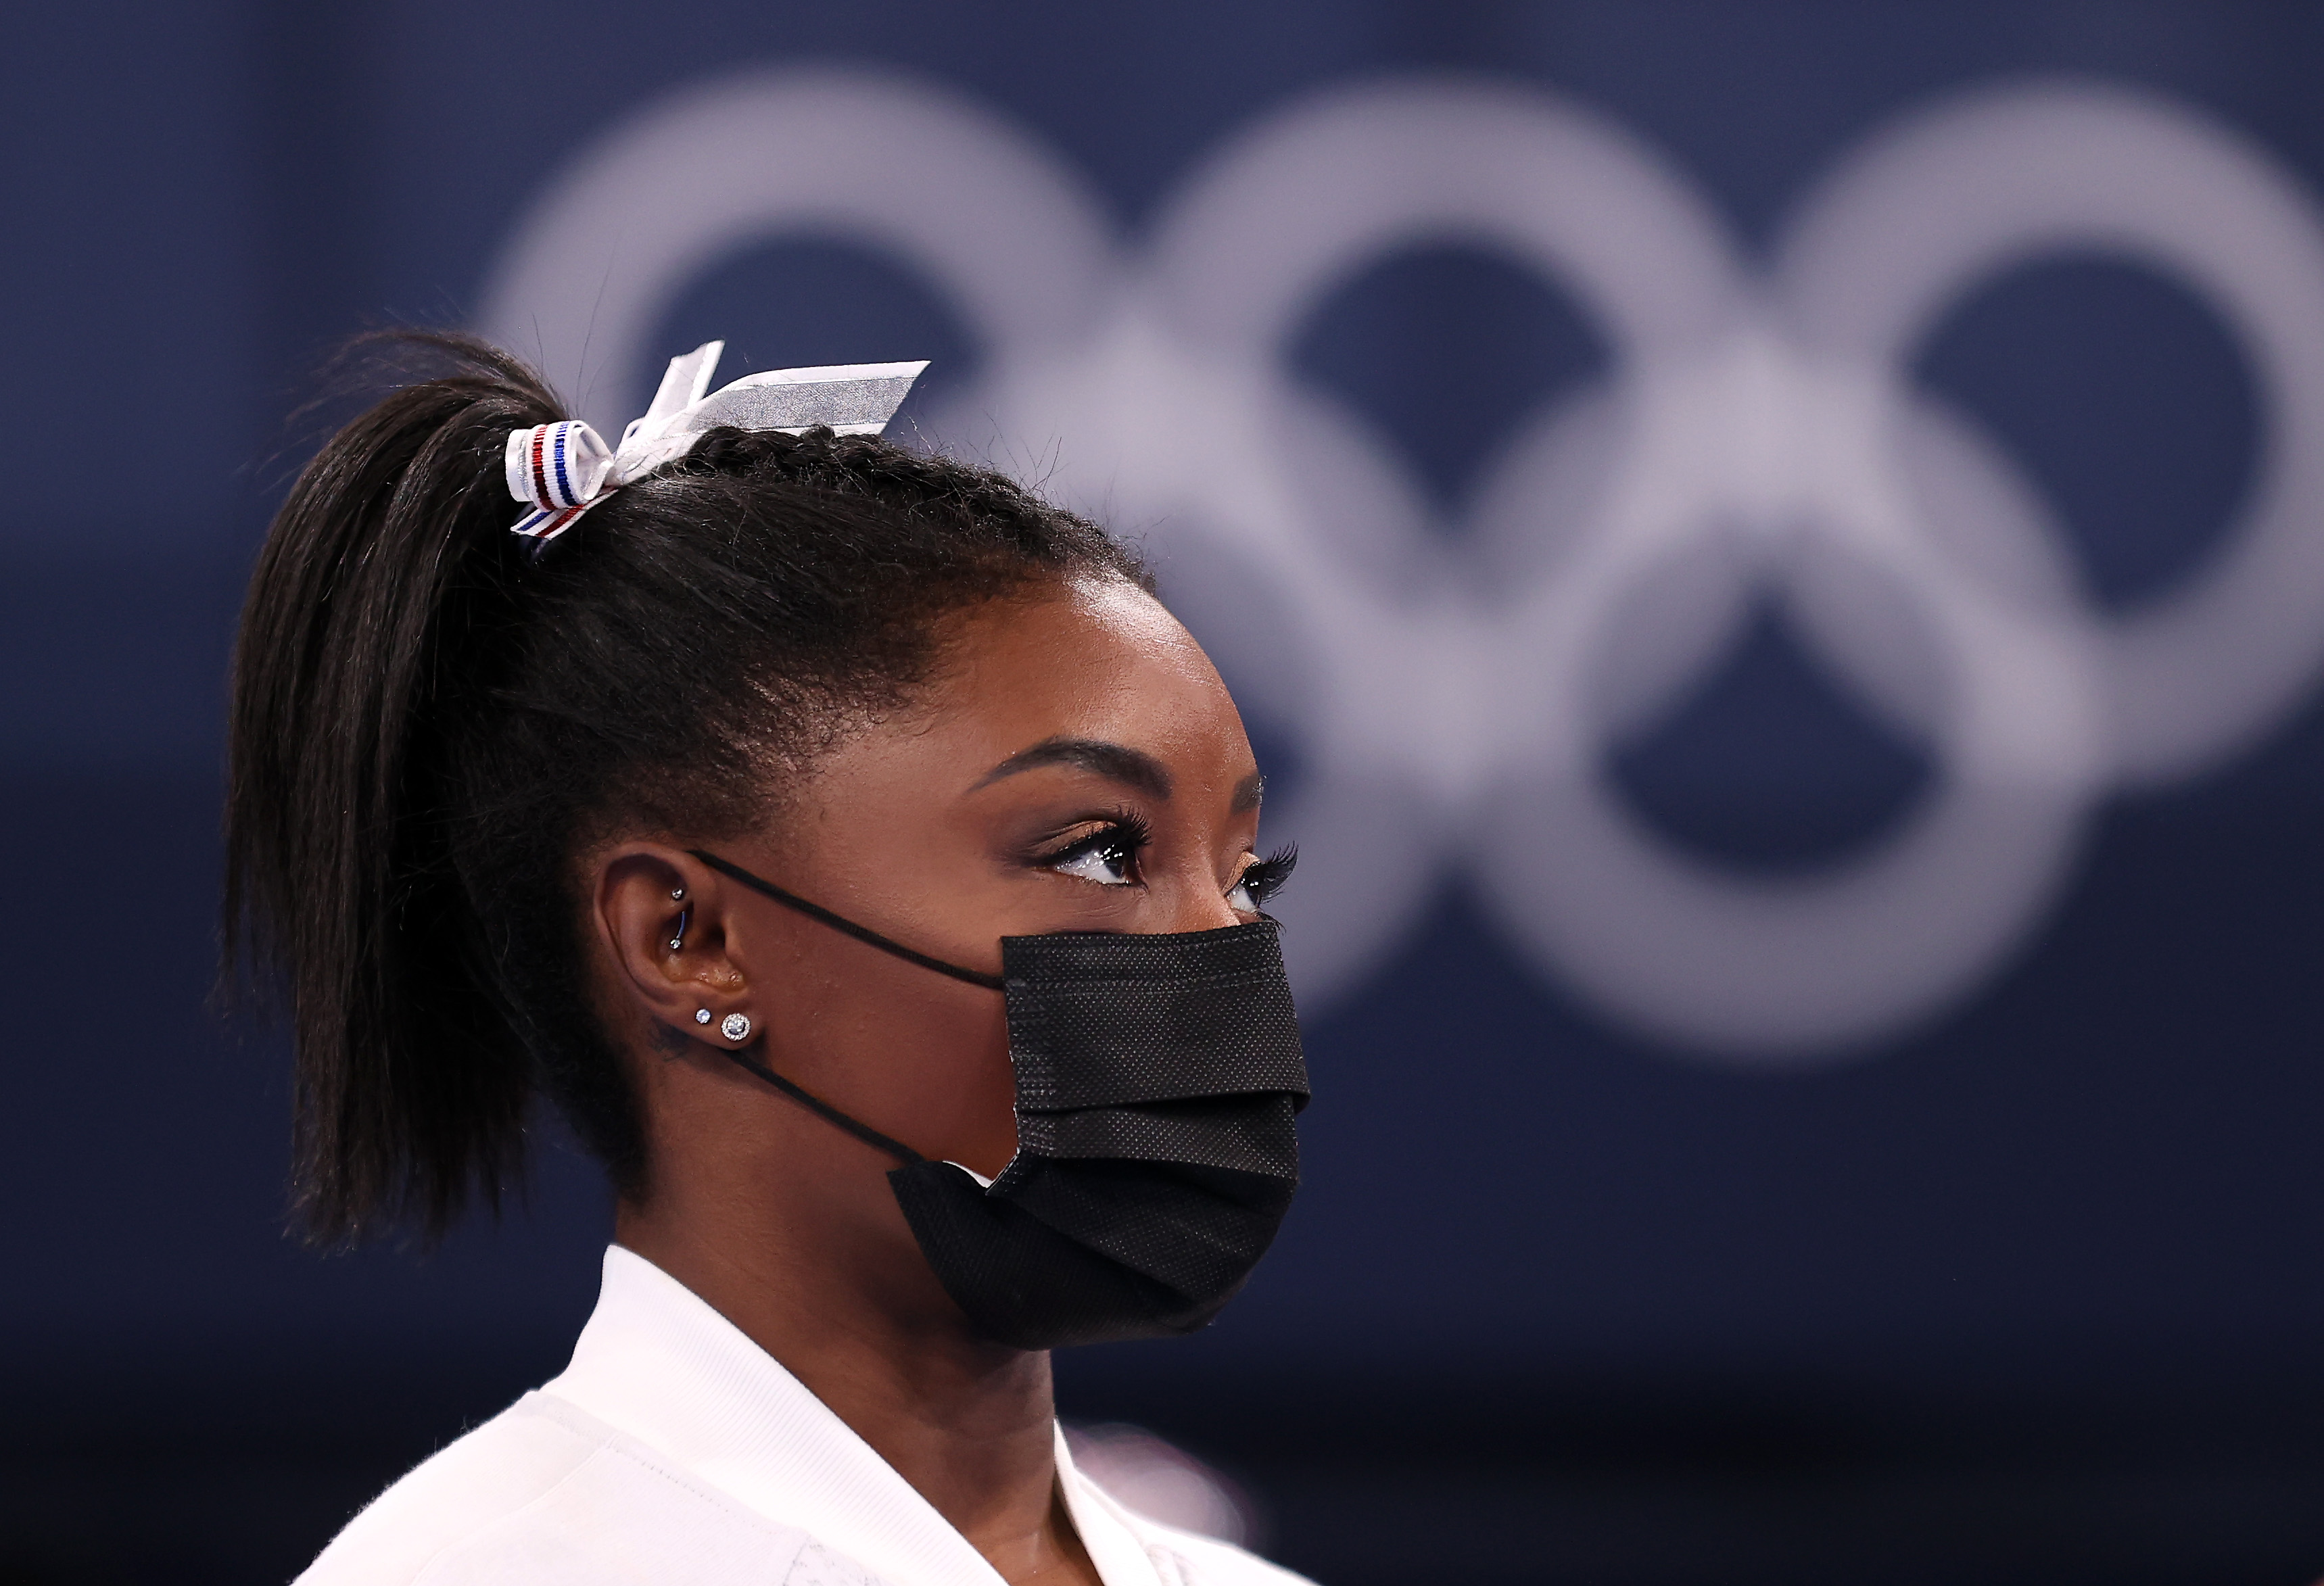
(387,569)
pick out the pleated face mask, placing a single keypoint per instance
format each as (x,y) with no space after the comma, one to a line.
(1157,1079)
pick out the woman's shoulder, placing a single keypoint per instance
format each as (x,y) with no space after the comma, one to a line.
(543,1492)
(490,1471)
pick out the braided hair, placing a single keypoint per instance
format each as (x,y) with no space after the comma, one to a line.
(430,725)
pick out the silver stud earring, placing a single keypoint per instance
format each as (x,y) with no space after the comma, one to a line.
(678,895)
(702,1016)
(734,1026)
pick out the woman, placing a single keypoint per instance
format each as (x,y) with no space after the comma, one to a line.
(864,862)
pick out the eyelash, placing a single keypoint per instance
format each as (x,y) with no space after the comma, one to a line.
(1125,832)
(1264,878)
(1128,835)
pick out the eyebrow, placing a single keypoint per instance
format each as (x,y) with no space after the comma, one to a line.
(1248,794)
(1132,767)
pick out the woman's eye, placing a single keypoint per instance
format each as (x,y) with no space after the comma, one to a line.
(1109,861)
(1261,880)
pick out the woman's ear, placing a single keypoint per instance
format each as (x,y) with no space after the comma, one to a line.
(660,914)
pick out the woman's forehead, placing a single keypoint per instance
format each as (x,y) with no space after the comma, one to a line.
(1104,665)
(1102,660)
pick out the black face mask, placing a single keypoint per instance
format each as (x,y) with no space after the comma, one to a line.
(1157,1078)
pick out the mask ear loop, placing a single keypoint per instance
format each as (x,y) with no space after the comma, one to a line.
(826,1110)
(815,911)
(806,1098)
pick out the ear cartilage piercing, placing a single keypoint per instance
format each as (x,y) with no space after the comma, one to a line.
(678,937)
(702,1016)
(678,895)
(734,1026)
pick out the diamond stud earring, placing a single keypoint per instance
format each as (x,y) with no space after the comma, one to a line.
(734,1026)
(702,1016)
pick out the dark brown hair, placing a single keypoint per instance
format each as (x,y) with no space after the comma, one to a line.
(429,723)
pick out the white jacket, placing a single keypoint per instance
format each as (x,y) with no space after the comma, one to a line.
(674,1451)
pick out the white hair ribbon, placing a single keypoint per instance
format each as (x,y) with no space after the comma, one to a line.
(562,470)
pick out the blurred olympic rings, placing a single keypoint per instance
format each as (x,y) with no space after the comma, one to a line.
(1755,438)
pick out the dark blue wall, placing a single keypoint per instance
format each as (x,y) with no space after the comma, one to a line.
(2046,1262)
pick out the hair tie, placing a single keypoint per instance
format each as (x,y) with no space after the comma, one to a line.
(562,470)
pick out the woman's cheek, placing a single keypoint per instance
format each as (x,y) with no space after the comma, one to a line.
(941,1075)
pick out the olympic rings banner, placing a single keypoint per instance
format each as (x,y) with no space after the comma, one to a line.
(1757,437)
(1773,555)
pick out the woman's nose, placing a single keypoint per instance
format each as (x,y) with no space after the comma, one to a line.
(1195,902)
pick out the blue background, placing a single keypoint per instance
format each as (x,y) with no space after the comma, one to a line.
(2033,1294)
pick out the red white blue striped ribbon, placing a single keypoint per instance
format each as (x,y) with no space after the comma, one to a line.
(560,469)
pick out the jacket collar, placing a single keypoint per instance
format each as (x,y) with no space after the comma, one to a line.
(658,1363)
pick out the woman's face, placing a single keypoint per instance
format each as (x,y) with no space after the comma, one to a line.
(1079,766)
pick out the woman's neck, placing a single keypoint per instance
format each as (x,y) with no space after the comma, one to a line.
(969,1425)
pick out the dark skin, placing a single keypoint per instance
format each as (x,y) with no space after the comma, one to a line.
(994,805)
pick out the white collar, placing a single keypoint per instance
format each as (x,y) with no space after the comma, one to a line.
(658,1363)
